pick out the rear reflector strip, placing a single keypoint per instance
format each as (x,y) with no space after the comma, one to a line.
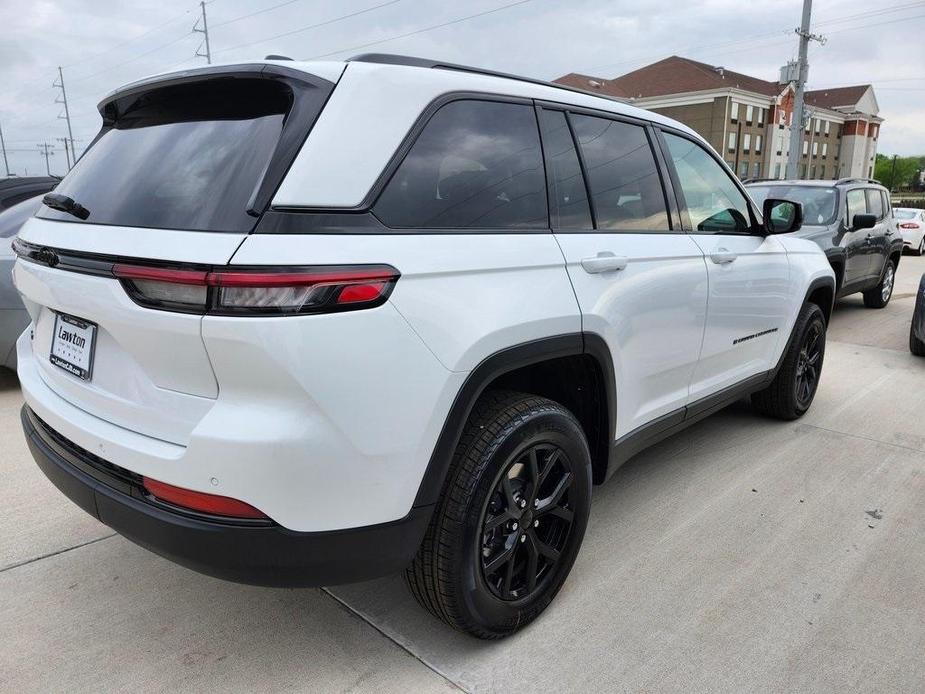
(198,501)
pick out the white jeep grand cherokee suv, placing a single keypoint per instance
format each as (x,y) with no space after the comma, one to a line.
(309,323)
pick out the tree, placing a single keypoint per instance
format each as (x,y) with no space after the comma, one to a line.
(899,176)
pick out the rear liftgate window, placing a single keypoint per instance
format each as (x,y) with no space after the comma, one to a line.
(182,157)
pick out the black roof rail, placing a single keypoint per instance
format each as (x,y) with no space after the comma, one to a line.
(856,179)
(412,61)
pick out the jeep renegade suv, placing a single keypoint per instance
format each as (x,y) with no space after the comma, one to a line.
(308,323)
(852,221)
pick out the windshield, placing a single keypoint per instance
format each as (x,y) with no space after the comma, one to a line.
(182,157)
(820,205)
(905,214)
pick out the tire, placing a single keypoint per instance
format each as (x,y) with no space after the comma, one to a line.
(917,346)
(792,391)
(879,296)
(472,570)
(921,247)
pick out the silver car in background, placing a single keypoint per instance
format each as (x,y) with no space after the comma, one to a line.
(13,315)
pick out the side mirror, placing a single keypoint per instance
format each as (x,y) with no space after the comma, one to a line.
(782,216)
(863,221)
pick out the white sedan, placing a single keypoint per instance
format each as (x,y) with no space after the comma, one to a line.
(911,224)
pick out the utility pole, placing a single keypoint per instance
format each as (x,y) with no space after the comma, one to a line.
(797,119)
(205,32)
(63,140)
(6,164)
(46,147)
(67,116)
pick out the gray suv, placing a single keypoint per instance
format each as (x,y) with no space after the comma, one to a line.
(852,221)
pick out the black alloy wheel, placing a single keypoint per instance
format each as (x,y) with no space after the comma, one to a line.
(526,522)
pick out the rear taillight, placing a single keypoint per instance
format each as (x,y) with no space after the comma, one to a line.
(908,225)
(259,291)
(198,501)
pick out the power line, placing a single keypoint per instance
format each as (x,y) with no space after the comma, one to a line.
(421,31)
(311,26)
(129,41)
(254,14)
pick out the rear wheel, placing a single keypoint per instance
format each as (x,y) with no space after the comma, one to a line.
(879,296)
(921,247)
(794,387)
(510,520)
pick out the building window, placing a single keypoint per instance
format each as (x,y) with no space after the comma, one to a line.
(809,122)
(805,147)
(756,170)
(746,142)
(749,114)
(761,114)
(827,124)
(757,144)
(780,142)
(734,111)
(731,165)
(837,150)
(777,170)
(732,142)
(817,126)
(743,169)
(822,171)
(812,171)
(825,149)
(815,149)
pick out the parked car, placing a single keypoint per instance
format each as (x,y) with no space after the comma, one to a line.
(917,329)
(13,315)
(852,221)
(16,189)
(911,225)
(391,315)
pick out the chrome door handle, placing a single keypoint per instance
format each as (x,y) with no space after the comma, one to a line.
(723,256)
(604,262)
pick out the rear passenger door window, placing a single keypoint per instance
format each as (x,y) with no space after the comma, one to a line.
(626,189)
(476,164)
(714,203)
(568,196)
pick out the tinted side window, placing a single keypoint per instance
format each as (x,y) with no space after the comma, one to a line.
(476,164)
(874,202)
(568,197)
(856,204)
(624,180)
(714,203)
(887,208)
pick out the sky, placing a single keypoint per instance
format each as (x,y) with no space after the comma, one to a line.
(102,44)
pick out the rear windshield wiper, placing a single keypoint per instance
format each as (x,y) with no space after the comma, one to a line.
(63,203)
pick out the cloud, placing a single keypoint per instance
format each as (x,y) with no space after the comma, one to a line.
(102,45)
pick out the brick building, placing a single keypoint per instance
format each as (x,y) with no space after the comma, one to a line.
(748,119)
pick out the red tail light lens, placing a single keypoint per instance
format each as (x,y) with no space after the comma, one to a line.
(260,291)
(197,501)
(908,225)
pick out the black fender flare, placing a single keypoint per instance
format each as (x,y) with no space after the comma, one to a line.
(487,371)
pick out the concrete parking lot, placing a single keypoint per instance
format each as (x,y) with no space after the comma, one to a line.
(742,555)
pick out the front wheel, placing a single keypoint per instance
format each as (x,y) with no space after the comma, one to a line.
(511,517)
(879,296)
(794,387)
